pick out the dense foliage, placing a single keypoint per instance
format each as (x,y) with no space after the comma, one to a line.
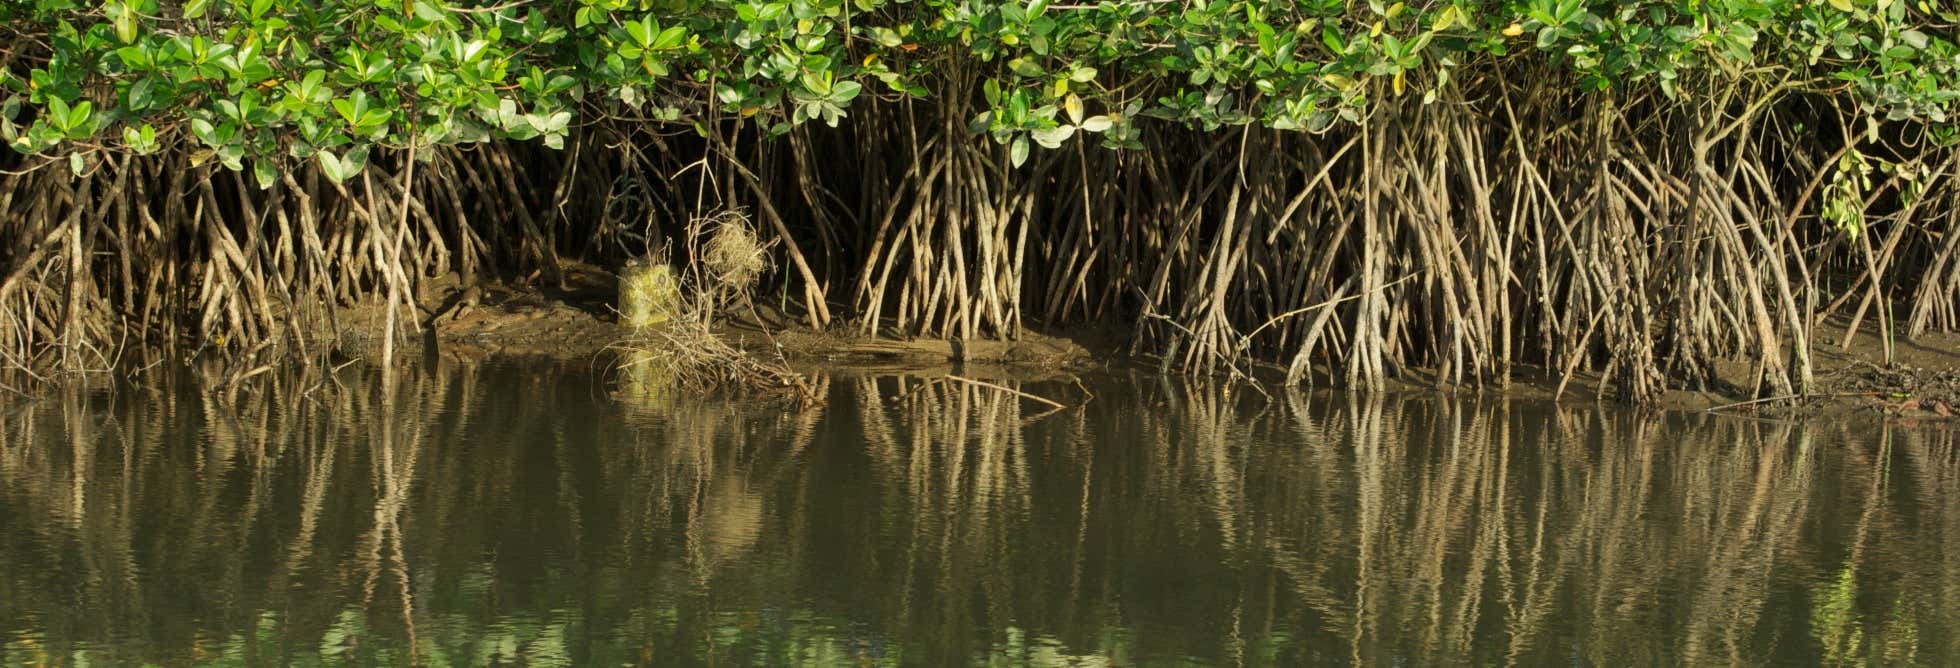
(250,83)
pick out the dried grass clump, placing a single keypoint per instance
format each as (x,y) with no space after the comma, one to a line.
(685,353)
(734,256)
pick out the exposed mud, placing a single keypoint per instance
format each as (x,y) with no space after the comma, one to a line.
(565,319)
(1920,381)
(574,319)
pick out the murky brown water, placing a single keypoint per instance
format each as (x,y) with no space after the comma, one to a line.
(515,516)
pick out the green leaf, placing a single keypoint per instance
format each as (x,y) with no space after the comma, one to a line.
(1017,152)
(352,108)
(141,93)
(125,24)
(357,157)
(557,122)
(58,110)
(816,84)
(142,140)
(264,171)
(332,167)
(205,131)
(669,38)
(340,169)
(1053,137)
(845,91)
(643,33)
(78,120)
(1445,18)
(135,58)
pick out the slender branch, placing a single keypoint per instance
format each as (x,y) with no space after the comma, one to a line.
(1008,390)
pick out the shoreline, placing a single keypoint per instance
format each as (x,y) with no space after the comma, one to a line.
(575,323)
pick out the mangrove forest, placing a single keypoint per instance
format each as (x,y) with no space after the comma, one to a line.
(1336,190)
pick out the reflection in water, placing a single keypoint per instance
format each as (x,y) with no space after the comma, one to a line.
(512,515)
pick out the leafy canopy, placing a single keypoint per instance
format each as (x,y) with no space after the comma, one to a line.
(261,83)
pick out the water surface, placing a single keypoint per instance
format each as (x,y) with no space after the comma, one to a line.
(517,515)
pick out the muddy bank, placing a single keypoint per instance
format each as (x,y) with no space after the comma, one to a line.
(574,320)
(532,317)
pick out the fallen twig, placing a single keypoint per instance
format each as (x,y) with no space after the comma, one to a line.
(1786,397)
(1008,390)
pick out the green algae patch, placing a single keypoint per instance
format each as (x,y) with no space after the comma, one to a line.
(649,294)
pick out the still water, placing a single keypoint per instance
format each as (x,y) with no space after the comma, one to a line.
(518,515)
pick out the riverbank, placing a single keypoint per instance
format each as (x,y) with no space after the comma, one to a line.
(575,321)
